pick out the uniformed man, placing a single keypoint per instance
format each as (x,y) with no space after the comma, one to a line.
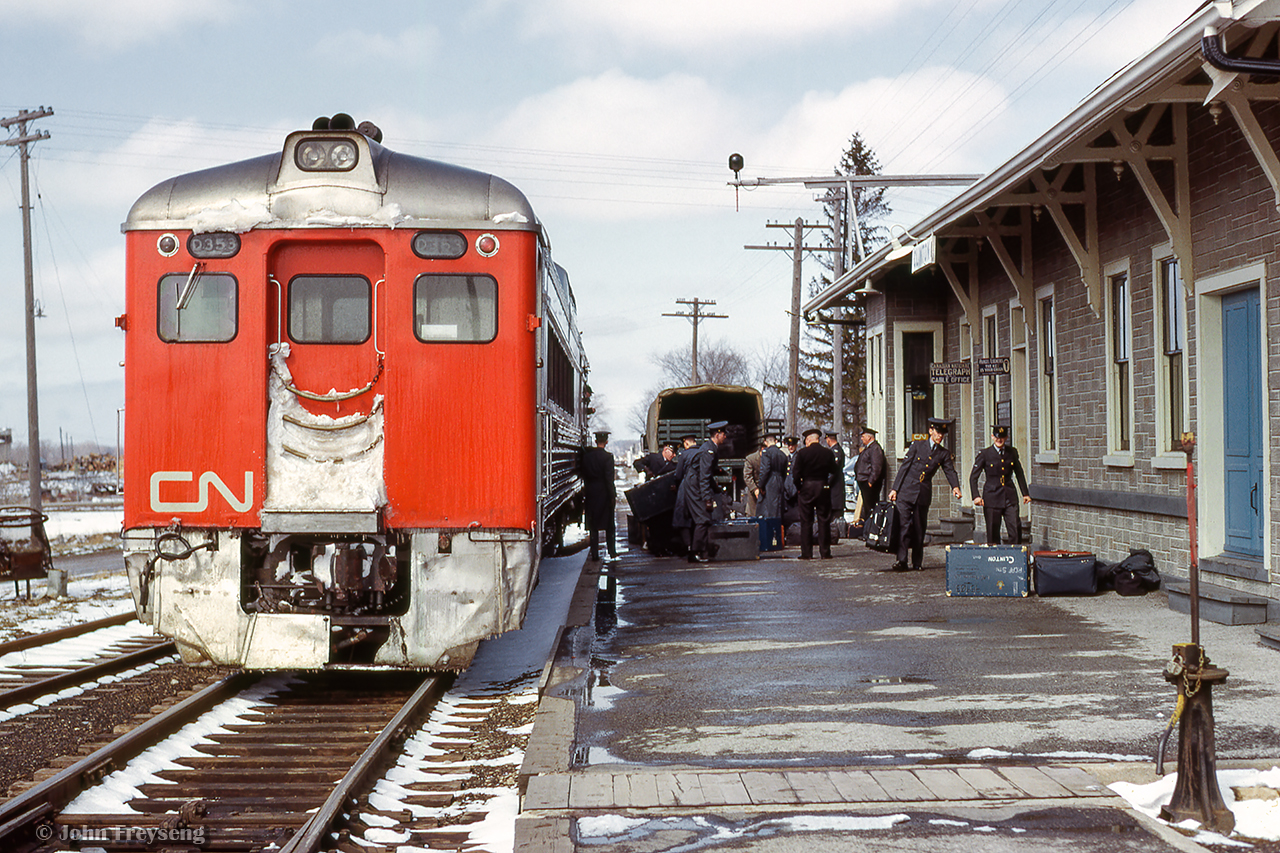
(912,492)
(751,480)
(700,495)
(657,463)
(680,519)
(600,494)
(837,478)
(773,471)
(811,470)
(999,498)
(870,470)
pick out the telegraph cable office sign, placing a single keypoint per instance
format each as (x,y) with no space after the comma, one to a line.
(950,373)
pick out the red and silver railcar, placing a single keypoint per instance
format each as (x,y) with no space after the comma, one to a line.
(355,387)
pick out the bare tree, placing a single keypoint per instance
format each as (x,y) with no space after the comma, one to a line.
(769,374)
(718,364)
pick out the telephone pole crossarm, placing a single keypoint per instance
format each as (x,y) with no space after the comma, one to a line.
(695,316)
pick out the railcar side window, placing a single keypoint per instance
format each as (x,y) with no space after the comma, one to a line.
(456,308)
(198,308)
(329,309)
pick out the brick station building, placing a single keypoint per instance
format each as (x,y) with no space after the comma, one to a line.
(1119,279)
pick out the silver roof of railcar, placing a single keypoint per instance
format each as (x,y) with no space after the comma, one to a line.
(384,189)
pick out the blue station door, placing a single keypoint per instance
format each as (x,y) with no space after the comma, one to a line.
(1242,422)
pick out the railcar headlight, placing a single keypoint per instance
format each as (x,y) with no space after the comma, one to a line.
(312,155)
(342,155)
(326,155)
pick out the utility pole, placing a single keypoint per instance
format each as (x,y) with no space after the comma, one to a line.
(797,249)
(33,411)
(695,316)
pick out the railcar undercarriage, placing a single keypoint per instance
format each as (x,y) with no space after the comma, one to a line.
(417,599)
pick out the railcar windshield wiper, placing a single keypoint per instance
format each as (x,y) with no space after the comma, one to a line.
(189,288)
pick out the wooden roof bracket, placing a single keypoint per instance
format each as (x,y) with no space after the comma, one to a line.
(1085,251)
(964,295)
(1133,149)
(994,233)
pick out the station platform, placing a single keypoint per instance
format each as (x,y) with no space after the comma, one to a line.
(833,705)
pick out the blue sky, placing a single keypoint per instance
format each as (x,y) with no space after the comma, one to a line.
(616,119)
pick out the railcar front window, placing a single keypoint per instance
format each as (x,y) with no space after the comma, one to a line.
(199,308)
(329,309)
(455,308)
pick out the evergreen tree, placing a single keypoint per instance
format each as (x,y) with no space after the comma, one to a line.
(815,403)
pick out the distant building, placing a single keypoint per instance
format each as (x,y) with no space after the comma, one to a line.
(1111,287)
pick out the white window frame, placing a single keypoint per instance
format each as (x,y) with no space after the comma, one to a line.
(1166,457)
(1117,457)
(876,411)
(899,387)
(1047,392)
(990,384)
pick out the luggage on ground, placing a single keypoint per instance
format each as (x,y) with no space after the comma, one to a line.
(1065,573)
(880,531)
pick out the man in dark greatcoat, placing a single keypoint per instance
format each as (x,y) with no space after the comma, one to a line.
(913,491)
(773,471)
(700,494)
(837,478)
(811,470)
(999,499)
(870,470)
(680,519)
(657,463)
(600,494)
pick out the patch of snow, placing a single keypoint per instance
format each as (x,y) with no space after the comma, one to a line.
(1255,818)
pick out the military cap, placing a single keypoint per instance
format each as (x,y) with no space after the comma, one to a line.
(718,426)
(811,431)
(791,439)
(868,430)
(602,436)
(940,424)
(1000,431)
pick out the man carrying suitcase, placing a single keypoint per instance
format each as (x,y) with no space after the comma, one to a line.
(913,492)
(999,499)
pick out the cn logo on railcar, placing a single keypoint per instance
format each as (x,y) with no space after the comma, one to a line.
(207,479)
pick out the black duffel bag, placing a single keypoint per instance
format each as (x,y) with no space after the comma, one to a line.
(1136,574)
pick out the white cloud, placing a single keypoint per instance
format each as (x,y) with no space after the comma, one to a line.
(719,25)
(117,24)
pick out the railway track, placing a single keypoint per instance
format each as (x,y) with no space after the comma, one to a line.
(42,665)
(324,761)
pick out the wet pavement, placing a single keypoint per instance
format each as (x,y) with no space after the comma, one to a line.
(749,689)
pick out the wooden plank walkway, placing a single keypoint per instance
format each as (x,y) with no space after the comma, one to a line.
(593,790)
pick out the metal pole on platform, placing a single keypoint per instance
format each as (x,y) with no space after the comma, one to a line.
(1196,795)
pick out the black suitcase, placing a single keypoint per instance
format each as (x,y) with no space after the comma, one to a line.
(652,498)
(1065,573)
(880,531)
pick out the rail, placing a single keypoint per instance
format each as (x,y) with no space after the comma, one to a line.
(20,816)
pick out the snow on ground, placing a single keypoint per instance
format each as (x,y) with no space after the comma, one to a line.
(1252,796)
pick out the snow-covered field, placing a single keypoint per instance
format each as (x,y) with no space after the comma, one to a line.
(88,597)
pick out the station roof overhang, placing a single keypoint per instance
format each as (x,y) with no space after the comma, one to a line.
(1157,75)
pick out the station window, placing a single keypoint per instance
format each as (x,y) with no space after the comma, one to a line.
(200,308)
(1121,376)
(1049,384)
(455,308)
(329,309)
(1173,334)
